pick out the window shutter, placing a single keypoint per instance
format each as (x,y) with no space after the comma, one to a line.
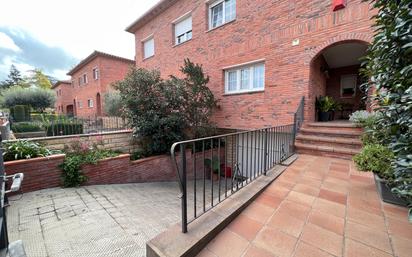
(183,26)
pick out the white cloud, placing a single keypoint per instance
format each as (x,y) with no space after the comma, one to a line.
(8,43)
(77,26)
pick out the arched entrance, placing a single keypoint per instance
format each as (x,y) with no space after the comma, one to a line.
(98,105)
(70,110)
(334,72)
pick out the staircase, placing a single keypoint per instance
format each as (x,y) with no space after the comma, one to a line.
(333,139)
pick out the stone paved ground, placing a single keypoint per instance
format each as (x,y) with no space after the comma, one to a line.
(108,220)
(319,207)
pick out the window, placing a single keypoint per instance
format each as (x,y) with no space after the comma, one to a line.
(85,81)
(246,78)
(348,85)
(221,12)
(96,73)
(73,82)
(183,30)
(148,48)
(60,92)
(79,104)
(90,103)
(80,81)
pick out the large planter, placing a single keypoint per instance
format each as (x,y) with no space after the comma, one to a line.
(386,194)
(324,116)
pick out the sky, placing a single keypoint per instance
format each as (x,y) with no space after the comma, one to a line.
(54,35)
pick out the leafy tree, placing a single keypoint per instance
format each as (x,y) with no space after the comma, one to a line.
(38,98)
(166,111)
(113,104)
(389,66)
(13,79)
(39,79)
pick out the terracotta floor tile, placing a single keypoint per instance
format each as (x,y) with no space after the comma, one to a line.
(300,198)
(269,200)
(258,212)
(277,190)
(396,212)
(367,219)
(245,227)
(284,184)
(254,251)
(306,250)
(327,221)
(340,188)
(276,242)
(283,221)
(356,249)
(296,210)
(310,181)
(370,237)
(362,179)
(365,205)
(206,253)
(316,174)
(332,196)
(402,246)
(400,228)
(228,244)
(302,188)
(338,176)
(322,238)
(329,207)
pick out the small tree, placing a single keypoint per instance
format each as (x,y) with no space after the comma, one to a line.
(113,104)
(13,79)
(39,79)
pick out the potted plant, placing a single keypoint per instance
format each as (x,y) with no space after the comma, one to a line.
(377,158)
(324,106)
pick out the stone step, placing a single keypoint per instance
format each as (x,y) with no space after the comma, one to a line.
(345,126)
(321,150)
(331,132)
(353,143)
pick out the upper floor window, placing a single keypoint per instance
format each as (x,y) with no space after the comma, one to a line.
(85,80)
(246,78)
(183,30)
(90,103)
(72,83)
(60,92)
(96,73)
(80,81)
(80,104)
(221,12)
(148,48)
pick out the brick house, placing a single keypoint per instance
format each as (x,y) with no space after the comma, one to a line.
(64,98)
(91,79)
(262,56)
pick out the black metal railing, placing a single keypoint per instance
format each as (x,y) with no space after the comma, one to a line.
(299,115)
(213,168)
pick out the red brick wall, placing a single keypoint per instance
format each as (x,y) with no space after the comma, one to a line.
(117,170)
(262,30)
(64,99)
(111,70)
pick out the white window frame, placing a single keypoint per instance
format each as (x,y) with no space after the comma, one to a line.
(96,73)
(224,21)
(238,68)
(90,103)
(355,78)
(144,41)
(187,33)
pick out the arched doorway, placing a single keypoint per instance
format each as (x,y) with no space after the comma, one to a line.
(70,110)
(98,105)
(334,72)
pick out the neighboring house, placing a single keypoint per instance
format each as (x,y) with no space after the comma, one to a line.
(91,80)
(64,98)
(262,56)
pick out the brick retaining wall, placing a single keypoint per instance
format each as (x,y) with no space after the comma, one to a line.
(41,173)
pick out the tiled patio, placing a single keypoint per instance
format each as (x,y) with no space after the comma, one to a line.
(318,207)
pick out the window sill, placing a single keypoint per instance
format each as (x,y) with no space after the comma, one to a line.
(220,26)
(147,58)
(183,43)
(245,93)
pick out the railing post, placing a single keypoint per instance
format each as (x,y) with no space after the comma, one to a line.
(265,148)
(184,188)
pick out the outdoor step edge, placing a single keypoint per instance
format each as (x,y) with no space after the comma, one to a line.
(351,141)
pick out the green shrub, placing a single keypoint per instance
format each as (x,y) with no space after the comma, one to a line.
(139,154)
(77,154)
(377,159)
(113,104)
(62,128)
(45,117)
(20,113)
(23,149)
(21,127)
